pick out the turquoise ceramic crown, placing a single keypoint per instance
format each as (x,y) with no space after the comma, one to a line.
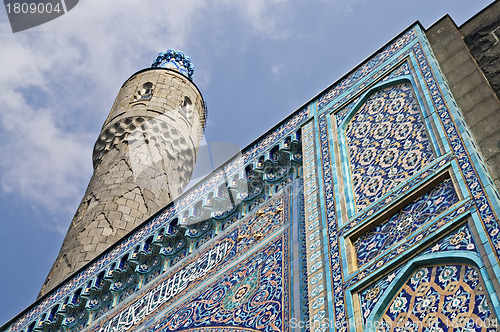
(175,60)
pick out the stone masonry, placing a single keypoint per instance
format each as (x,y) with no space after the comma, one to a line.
(143,159)
(468,57)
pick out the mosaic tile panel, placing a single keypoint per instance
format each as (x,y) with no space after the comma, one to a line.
(405,222)
(341,115)
(457,212)
(219,177)
(461,239)
(404,46)
(250,232)
(369,297)
(477,191)
(480,198)
(339,300)
(252,296)
(304,298)
(411,185)
(384,69)
(312,225)
(440,298)
(402,70)
(387,143)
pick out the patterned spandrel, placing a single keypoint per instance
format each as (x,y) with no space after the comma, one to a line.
(386,142)
(400,71)
(460,239)
(380,238)
(440,298)
(369,297)
(252,296)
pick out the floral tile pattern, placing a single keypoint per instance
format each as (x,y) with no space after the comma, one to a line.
(405,222)
(387,143)
(456,212)
(402,70)
(253,296)
(460,239)
(440,298)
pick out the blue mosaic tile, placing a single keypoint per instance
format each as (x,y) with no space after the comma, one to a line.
(400,71)
(457,212)
(440,298)
(268,221)
(199,191)
(398,193)
(339,309)
(458,147)
(387,143)
(460,239)
(253,295)
(369,297)
(380,238)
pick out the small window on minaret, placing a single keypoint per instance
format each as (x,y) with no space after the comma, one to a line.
(186,108)
(187,105)
(145,93)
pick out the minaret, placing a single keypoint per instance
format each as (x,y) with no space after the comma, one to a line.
(143,159)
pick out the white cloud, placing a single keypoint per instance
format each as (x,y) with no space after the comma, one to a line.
(276,69)
(266,17)
(58,82)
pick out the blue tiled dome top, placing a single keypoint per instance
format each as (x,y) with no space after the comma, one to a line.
(175,60)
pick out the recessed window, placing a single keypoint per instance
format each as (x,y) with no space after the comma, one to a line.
(144,93)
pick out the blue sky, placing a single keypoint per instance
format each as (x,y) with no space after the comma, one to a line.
(255,62)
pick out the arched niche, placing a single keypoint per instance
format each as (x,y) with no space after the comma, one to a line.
(439,291)
(383,140)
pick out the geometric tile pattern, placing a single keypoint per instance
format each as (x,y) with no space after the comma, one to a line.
(460,239)
(398,253)
(251,296)
(440,298)
(405,222)
(336,276)
(249,232)
(386,142)
(312,223)
(402,70)
(369,297)
(443,109)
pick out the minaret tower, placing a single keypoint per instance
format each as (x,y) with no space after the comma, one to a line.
(143,159)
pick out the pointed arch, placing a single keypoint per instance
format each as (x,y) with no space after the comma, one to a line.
(384,141)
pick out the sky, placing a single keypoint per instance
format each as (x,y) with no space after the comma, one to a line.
(255,63)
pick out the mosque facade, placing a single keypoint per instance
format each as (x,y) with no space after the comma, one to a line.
(373,207)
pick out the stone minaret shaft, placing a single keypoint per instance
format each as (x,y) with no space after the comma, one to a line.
(143,159)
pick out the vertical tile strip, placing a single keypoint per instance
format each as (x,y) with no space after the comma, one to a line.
(337,279)
(315,262)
